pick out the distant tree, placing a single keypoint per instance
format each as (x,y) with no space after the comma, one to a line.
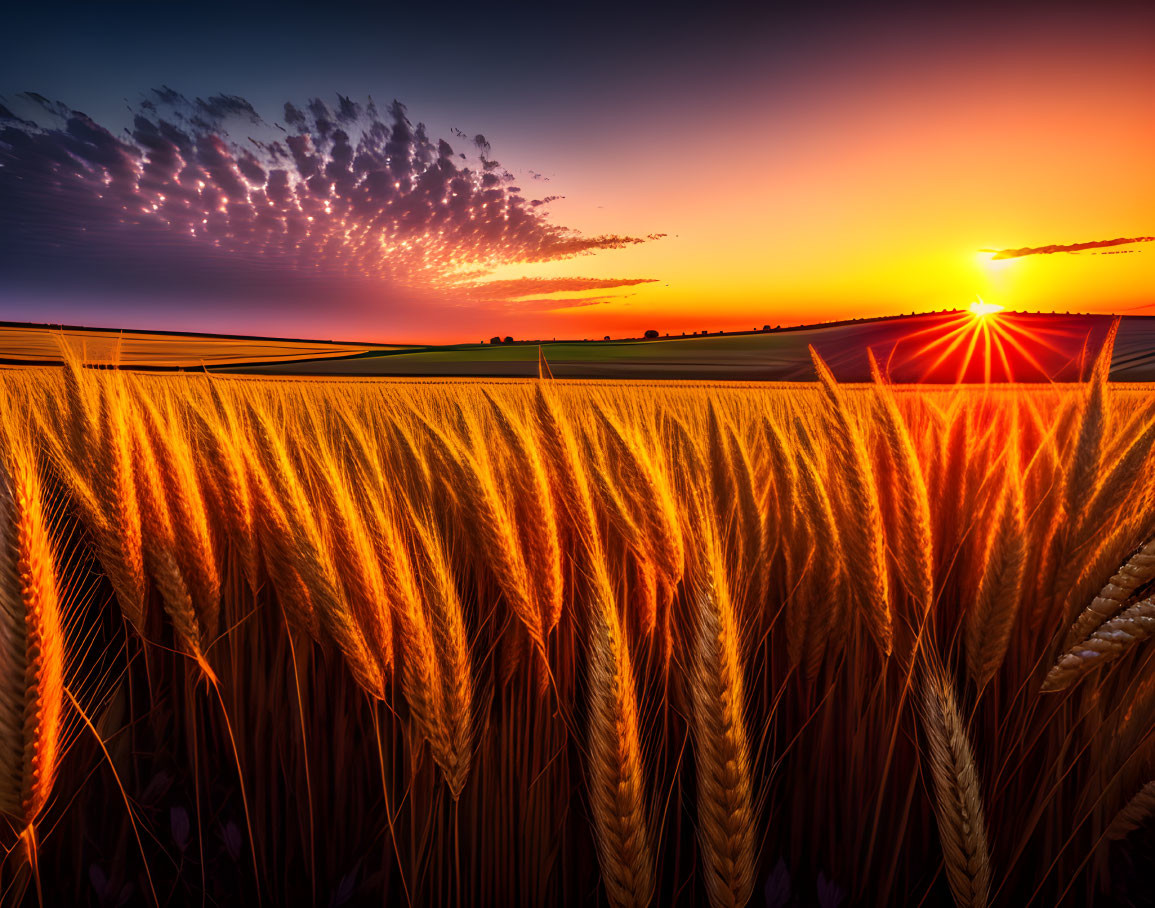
(606,338)
(651,334)
(508,340)
(495,340)
(765,327)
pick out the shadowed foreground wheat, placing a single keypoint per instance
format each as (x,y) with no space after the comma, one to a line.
(574,643)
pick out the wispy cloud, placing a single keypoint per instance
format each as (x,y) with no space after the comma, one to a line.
(1073,247)
(536,286)
(555,304)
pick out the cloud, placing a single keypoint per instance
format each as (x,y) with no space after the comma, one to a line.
(535,286)
(1073,247)
(554,304)
(204,191)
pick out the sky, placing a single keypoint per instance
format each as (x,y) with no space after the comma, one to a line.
(447,173)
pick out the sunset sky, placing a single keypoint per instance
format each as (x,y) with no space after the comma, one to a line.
(701,169)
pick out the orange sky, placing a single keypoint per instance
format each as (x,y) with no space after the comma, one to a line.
(870,189)
(803,166)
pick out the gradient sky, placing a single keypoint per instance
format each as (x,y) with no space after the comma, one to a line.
(694,169)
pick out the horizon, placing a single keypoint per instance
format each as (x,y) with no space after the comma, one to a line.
(983,343)
(507,339)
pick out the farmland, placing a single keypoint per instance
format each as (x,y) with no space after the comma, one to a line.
(28,344)
(1028,348)
(478,642)
(1018,346)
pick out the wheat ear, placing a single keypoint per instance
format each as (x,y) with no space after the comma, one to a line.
(864,549)
(540,533)
(616,770)
(228,464)
(958,802)
(452,746)
(722,761)
(31,640)
(809,618)
(916,546)
(476,489)
(1132,574)
(992,617)
(118,522)
(1109,641)
(350,542)
(641,477)
(177,466)
(160,552)
(297,549)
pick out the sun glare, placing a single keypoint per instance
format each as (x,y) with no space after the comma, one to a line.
(974,345)
(981,309)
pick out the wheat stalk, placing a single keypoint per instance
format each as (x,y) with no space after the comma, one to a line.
(160,551)
(121,546)
(302,552)
(1084,479)
(992,617)
(641,479)
(722,761)
(475,487)
(540,533)
(734,491)
(452,746)
(865,548)
(916,545)
(356,563)
(222,445)
(811,618)
(177,470)
(616,767)
(32,653)
(958,801)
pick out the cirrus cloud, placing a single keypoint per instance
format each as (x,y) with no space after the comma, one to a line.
(534,286)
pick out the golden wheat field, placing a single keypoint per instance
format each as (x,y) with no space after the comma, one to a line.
(547,642)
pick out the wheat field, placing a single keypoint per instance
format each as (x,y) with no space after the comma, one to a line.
(561,642)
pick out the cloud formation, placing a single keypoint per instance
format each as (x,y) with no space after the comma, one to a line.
(554,304)
(1073,247)
(535,286)
(205,189)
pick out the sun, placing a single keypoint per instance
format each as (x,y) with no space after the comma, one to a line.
(980,309)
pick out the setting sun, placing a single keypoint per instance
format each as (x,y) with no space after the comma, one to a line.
(981,309)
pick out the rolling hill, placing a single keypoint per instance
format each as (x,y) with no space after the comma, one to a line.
(942,347)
